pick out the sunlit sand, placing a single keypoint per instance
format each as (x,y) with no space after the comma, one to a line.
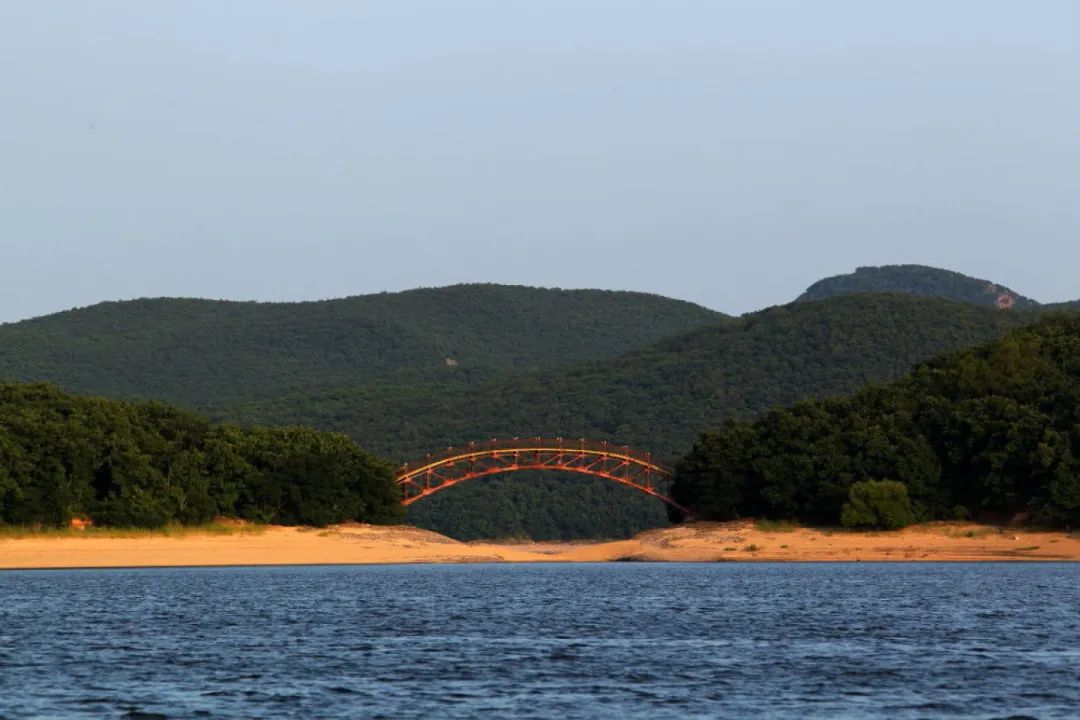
(701,542)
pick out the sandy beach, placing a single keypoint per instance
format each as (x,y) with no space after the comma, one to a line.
(700,542)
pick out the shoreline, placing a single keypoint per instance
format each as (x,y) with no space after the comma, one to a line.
(358,544)
(93,568)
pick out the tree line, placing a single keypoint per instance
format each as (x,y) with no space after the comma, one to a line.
(988,433)
(146,465)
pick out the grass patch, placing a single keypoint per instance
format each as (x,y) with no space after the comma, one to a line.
(752,548)
(15,532)
(776,525)
(730,549)
(1025,549)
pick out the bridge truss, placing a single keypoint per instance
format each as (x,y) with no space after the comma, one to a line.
(453,466)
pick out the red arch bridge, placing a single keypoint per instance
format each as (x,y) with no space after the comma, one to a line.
(618,463)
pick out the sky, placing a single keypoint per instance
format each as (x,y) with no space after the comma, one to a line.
(728,152)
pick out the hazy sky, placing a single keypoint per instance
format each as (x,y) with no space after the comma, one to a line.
(726,152)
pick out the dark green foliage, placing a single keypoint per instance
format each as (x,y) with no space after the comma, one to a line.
(538,506)
(146,465)
(615,366)
(208,354)
(1054,307)
(990,432)
(657,399)
(877,505)
(660,397)
(351,362)
(918,280)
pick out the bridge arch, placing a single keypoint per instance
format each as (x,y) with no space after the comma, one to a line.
(453,466)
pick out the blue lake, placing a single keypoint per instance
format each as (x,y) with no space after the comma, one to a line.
(607,640)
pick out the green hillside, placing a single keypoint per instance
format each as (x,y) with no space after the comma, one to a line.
(207,354)
(918,280)
(662,395)
(989,432)
(658,398)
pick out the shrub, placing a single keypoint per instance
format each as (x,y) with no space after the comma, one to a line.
(877,504)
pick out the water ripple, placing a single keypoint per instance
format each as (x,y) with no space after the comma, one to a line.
(620,640)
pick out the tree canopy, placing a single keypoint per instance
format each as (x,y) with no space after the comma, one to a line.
(657,398)
(208,355)
(990,432)
(145,465)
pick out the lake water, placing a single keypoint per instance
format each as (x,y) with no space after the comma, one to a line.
(612,640)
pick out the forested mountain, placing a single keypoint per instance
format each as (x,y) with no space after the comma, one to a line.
(207,354)
(987,432)
(124,464)
(405,373)
(662,395)
(918,280)
(658,398)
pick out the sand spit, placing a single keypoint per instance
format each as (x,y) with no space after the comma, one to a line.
(699,542)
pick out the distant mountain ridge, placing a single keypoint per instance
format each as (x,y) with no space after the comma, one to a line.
(208,353)
(919,280)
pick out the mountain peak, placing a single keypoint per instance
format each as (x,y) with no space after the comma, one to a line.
(919,280)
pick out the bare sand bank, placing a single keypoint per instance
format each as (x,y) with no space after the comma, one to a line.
(700,542)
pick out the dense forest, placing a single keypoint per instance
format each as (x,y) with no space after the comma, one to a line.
(658,399)
(539,506)
(206,354)
(404,373)
(919,280)
(64,457)
(990,433)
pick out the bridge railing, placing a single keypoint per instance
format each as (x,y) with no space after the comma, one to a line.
(534,444)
